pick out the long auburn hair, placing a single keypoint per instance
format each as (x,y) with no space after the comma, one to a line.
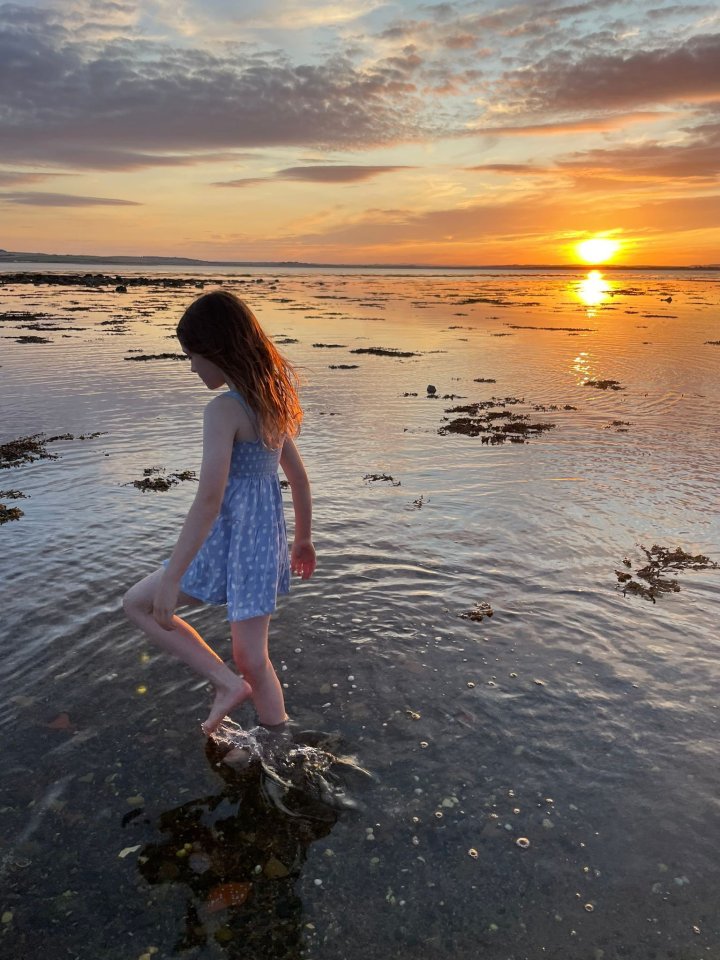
(223,328)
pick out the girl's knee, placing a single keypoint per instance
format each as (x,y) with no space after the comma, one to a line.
(134,603)
(252,664)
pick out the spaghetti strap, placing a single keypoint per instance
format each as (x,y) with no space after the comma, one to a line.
(243,401)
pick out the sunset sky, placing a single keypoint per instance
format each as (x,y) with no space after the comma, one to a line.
(361,132)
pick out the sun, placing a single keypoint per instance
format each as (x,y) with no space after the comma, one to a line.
(597,250)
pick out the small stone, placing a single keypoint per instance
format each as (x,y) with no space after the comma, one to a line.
(136,801)
(275,869)
(424,744)
(522,842)
(470,684)
(589,907)
(127,850)
(7,916)
(317,881)
(472,852)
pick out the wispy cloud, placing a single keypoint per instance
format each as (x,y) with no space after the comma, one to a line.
(18,178)
(31,199)
(320,173)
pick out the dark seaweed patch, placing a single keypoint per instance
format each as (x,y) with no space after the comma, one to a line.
(31,338)
(10,513)
(482,420)
(330,346)
(653,579)
(478,613)
(32,448)
(159,484)
(382,476)
(517,326)
(604,384)
(343,366)
(385,352)
(158,356)
(12,316)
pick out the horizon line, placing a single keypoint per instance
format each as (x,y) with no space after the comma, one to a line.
(10,256)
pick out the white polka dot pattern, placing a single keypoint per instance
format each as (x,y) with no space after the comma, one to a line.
(244,560)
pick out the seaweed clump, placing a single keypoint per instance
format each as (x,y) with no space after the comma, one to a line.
(653,579)
(482,421)
(11,513)
(382,476)
(158,356)
(604,384)
(159,484)
(478,613)
(32,448)
(385,352)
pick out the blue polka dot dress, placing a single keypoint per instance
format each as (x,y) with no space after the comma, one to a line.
(244,561)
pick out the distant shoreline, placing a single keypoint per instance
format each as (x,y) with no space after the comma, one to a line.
(7,256)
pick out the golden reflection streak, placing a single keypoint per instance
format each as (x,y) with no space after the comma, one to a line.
(593,290)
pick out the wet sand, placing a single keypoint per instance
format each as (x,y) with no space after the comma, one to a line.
(542,739)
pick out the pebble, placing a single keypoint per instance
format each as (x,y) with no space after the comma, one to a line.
(7,916)
(589,907)
(317,881)
(473,853)
(522,842)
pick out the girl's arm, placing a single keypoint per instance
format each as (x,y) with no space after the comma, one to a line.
(218,436)
(302,554)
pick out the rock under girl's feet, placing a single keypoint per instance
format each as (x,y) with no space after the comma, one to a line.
(226,699)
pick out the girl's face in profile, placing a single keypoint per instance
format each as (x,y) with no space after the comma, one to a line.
(210,374)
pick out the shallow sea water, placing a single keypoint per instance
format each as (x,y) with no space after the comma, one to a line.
(577,717)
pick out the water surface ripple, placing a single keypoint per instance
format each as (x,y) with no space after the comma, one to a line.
(580,718)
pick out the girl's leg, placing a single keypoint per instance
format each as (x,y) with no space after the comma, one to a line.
(250,650)
(187,645)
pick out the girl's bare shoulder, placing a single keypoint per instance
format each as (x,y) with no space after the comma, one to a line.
(227,408)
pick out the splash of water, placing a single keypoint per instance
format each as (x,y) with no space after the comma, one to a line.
(301,765)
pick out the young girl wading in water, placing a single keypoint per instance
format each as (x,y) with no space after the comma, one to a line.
(233,546)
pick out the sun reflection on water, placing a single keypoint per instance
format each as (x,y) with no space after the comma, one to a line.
(581,367)
(593,290)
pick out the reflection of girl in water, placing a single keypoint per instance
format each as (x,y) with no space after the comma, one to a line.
(215,845)
(232,548)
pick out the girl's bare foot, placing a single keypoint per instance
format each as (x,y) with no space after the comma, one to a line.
(226,699)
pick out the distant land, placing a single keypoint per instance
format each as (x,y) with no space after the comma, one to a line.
(10,256)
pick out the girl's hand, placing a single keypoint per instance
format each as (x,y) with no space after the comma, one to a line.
(165,602)
(302,558)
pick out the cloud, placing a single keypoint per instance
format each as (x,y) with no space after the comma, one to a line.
(320,173)
(63,200)
(689,71)
(596,124)
(650,161)
(126,104)
(508,168)
(18,178)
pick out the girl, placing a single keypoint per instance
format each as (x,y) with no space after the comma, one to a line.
(233,546)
